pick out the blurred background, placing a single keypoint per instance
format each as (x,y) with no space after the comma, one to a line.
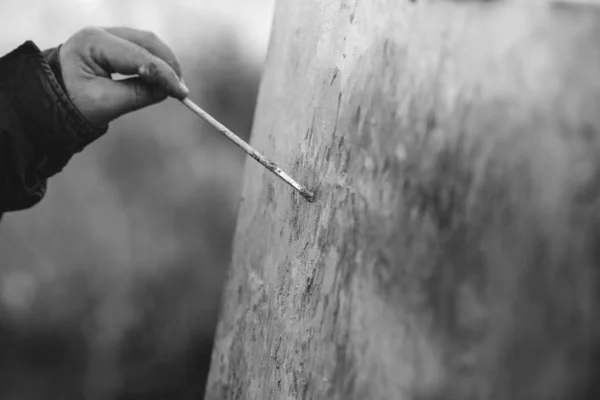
(110,287)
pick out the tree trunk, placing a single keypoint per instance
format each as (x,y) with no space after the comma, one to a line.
(452,249)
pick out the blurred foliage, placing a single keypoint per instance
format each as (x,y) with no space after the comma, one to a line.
(110,287)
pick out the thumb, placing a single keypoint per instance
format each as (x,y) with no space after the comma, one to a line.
(132,94)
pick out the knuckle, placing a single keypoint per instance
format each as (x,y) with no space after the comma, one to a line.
(89,32)
(83,39)
(137,94)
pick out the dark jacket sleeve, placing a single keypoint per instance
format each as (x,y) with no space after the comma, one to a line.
(40,128)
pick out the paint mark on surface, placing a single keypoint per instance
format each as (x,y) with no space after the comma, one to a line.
(335,74)
(353,15)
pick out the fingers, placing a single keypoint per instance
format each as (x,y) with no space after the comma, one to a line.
(115,54)
(150,42)
(89,58)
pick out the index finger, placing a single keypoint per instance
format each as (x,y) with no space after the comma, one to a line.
(150,42)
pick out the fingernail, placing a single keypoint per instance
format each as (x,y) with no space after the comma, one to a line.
(184,87)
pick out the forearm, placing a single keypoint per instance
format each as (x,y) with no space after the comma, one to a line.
(40,128)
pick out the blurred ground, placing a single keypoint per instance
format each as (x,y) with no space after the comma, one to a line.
(109,288)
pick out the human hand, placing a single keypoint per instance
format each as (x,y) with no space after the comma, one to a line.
(91,55)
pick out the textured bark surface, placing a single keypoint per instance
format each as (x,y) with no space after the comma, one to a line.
(451,251)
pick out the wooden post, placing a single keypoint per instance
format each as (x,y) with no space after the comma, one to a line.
(451,251)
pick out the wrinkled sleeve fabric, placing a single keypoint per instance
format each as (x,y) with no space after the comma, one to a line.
(40,128)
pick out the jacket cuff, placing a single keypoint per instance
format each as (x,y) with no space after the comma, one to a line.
(53,123)
(51,57)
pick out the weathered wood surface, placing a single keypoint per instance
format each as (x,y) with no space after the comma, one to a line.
(451,252)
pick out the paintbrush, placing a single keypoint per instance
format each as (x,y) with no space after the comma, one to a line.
(150,73)
(268,164)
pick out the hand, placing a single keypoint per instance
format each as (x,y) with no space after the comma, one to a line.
(89,58)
